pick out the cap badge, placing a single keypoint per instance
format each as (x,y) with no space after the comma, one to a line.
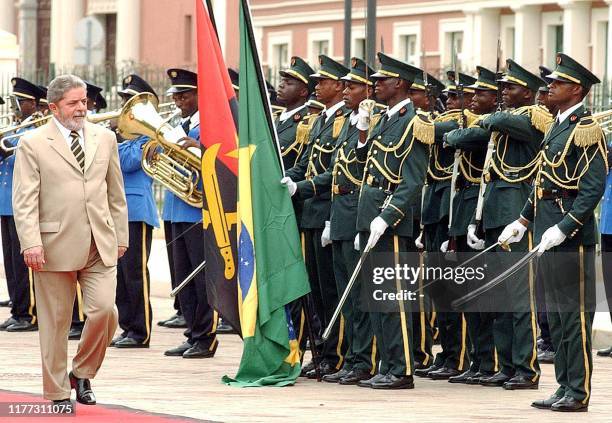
(174,74)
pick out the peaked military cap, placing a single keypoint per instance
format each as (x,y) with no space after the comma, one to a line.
(516,74)
(314,103)
(92,91)
(23,88)
(234,77)
(134,84)
(466,81)
(393,68)
(435,86)
(569,70)
(100,101)
(301,71)
(43,91)
(329,69)
(486,80)
(182,80)
(1,101)
(360,72)
(544,72)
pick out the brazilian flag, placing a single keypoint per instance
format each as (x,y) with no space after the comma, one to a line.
(271,271)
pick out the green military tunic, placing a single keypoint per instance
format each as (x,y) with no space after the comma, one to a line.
(570,181)
(293,135)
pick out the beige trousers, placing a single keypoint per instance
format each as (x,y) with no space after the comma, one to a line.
(55,292)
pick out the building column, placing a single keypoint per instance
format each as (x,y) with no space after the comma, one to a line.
(7,17)
(576,24)
(27,34)
(485,33)
(128,32)
(64,19)
(470,41)
(527,36)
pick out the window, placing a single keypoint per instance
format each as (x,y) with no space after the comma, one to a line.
(511,43)
(280,56)
(359,47)
(320,47)
(558,29)
(455,46)
(408,49)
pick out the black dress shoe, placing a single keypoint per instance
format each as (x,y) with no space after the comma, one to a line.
(116,339)
(569,404)
(521,382)
(475,380)
(547,357)
(394,382)
(6,303)
(63,406)
(225,328)
(306,368)
(443,374)
(335,377)
(199,350)
(74,334)
(463,377)
(367,383)
(605,352)
(178,351)
(547,403)
(355,376)
(177,323)
(498,379)
(163,322)
(22,326)
(423,372)
(84,394)
(7,323)
(325,368)
(128,342)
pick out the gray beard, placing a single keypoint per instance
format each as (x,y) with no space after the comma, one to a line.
(70,123)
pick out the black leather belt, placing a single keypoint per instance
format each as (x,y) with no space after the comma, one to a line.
(384,184)
(554,194)
(344,189)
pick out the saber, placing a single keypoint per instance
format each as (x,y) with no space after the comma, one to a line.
(497,280)
(188,279)
(345,294)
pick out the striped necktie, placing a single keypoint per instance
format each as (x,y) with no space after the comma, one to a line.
(77,150)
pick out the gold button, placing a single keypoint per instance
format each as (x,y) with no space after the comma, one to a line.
(379,137)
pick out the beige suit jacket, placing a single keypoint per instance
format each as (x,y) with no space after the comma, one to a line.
(59,207)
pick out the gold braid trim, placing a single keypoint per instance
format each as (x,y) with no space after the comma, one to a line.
(423,129)
(541,119)
(587,133)
(338,124)
(470,117)
(478,118)
(302,133)
(449,115)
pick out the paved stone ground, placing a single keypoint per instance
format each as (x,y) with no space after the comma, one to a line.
(145,379)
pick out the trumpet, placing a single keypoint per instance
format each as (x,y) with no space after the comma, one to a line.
(34,121)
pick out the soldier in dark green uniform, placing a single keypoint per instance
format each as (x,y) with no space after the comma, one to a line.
(293,90)
(397,152)
(343,179)
(472,144)
(316,211)
(570,181)
(516,137)
(424,96)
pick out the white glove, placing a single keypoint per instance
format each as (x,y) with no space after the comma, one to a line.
(291,186)
(418,243)
(377,228)
(356,242)
(326,236)
(365,113)
(512,233)
(551,238)
(444,246)
(473,241)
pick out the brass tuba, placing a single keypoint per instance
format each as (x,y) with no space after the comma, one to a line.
(604,119)
(163,159)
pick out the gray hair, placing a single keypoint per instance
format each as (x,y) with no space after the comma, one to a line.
(62,84)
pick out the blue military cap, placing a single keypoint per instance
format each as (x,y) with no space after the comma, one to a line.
(43,99)
(134,84)
(182,80)
(25,89)
(92,91)
(100,102)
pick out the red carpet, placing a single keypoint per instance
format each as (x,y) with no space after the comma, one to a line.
(84,413)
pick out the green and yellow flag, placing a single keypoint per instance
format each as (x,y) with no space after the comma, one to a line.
(271,271)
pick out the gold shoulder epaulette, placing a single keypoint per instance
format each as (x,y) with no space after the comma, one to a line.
(338,124)
(381,106)
(449,115)
(470,117)
(479,118)
(587,132)
(541,119)
(423,129)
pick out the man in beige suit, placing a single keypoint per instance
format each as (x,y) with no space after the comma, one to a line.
(71,218)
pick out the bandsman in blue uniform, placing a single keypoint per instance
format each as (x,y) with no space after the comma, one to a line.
(133,282)
(516,134)
(396,153)
(18,276)
(188,235)
(472,144)
(314,221)
(570,180)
